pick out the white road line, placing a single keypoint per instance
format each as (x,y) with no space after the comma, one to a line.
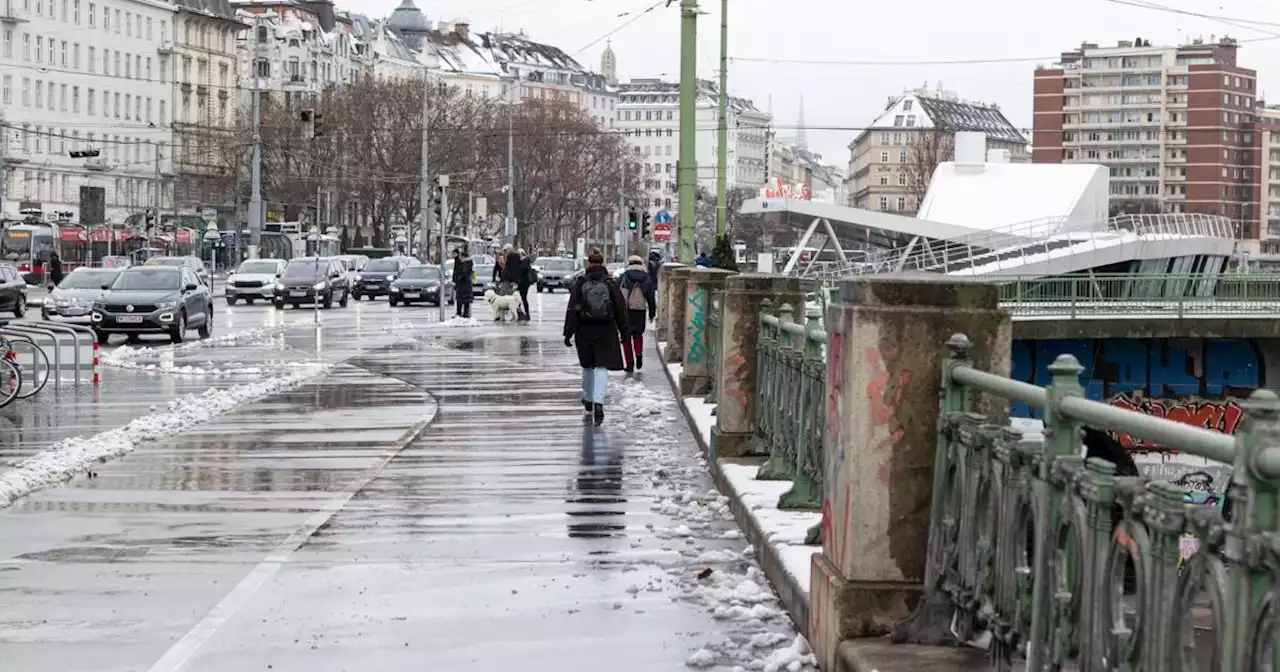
(181,652)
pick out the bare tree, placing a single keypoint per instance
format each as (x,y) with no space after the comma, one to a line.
(928,148)
(738,225)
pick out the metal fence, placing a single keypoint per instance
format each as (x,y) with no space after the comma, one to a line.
(1162,294)
(1060,564)
(789,400)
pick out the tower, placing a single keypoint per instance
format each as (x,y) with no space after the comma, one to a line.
(409,22)
(609,63)
(800,139)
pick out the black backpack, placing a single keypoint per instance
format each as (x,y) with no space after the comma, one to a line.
(596,305)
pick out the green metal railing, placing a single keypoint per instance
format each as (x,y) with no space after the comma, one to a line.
(1109,294)
(1024,540)
(715,322)
(790,392)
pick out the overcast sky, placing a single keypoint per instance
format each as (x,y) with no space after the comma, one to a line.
(846,96)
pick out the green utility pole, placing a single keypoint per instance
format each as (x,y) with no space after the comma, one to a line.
(722,130)
(688,173)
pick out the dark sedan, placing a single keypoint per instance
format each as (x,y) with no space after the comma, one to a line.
(376,277)
(312,281)
(555,273)
(153,300)
(420,283)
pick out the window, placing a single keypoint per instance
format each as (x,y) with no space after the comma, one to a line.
(64,53)
(884,180)
(106,61)
(75,99)
(75,5)
(902,179)
(128,24)
(93,59)
(6,90)
(128,99)
(90,100)
(884,157)
(106,19)
(906,105)
(148,110)
(75,56)
(39,49)
(117,22)
(162,109)
(62,98)
(39,94)
(884,203)
(902,157)
(137,108)
(897,120)
(148,28)
(8,43)
(115,105)
(902,204)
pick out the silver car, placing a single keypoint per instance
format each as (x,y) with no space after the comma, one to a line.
(255,279)
(72,299)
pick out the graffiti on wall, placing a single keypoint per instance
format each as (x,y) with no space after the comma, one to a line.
(1195,381)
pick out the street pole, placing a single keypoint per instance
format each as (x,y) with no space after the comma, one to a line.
(722,128)
(4,169)
(424,184)
(155,197)
(622,203)
(687,177)
(511,230)
(255,195)
(444,215)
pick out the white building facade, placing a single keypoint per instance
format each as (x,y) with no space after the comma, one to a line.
(79,75)
(649,117)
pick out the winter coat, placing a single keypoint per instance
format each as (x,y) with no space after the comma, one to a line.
(703,260)
(637,275)
(55,270)
(653,265)
(511,269)
(599,345)
(463,269)
(527,276)
(499,265)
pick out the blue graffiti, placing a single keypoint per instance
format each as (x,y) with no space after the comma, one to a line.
(1155,368)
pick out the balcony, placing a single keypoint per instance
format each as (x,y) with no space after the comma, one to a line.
(9,13)
(185,86)
(165,48)
(202,89)
(97,163)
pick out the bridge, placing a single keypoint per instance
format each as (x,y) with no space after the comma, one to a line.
(907,521)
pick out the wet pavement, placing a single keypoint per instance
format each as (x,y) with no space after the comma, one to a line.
(433,500)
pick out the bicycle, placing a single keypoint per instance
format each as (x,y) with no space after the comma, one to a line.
(24,357)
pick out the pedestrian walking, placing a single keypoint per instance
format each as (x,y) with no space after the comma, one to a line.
(55,269)
(642,304)
(526,278)
(596,322)
(463,275)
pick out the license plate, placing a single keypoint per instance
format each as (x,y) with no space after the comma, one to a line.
(411,295)
(129,319)
(73,312)
(298,292)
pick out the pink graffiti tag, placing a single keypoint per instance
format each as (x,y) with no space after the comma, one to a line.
(884,395)
(1220,416)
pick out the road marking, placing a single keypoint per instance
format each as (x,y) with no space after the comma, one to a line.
(181,652)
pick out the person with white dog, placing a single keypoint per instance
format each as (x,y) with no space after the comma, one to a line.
(596,322)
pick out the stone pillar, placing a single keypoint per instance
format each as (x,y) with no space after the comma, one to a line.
(886,342)
(736,412)
(661,322)
(695,372)
(676,298)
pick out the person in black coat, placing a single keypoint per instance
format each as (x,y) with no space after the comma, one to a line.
(652,265)
(55,269)
(642,304)
(463,269)
(599,341)
(526,277)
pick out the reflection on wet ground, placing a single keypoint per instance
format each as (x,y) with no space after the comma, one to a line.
(508,532)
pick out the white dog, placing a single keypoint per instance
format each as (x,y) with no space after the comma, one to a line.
(507,307)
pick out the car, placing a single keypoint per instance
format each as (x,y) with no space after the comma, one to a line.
(375,279)
(312,280)
(349,274)
(554,272)
(355,261)
(255,279)
(153,300)
(615,269)
(482,278)
(13,291)
(116,262)
(420,283)
(73,298)
(196,264)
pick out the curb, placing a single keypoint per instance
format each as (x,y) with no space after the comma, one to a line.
(794,597)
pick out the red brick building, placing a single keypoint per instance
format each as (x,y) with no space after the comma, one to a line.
(1175,126)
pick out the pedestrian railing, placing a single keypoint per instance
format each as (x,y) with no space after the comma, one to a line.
(1062,564)
(790,392)
(1159,294)
(715,322)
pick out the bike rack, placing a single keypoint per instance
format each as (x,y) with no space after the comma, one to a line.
(57,333)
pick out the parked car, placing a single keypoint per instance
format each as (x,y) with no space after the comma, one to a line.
(153,300)
(196,264)
(375,279)
(73,299)
(350,276)
(312,280)
(255,279)
(554,272)
(483,278)
(421,283)
(13,291)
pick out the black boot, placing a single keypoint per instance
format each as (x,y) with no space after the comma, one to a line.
(639,361)
(586,406)
(599,413)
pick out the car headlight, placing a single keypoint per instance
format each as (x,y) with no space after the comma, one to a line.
(280,286)
(49,302)
(391,277)
(395,288)
(319,285)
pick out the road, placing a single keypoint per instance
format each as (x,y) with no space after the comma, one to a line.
(432,500)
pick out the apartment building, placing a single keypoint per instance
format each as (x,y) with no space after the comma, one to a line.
(1174,124)
(649,116)
(1268,221)
(892,161)
(205,82)
(79,75)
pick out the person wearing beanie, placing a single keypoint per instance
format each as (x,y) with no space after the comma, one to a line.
(642,304)
(596,323)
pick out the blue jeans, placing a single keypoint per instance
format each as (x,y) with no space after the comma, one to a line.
(593,384)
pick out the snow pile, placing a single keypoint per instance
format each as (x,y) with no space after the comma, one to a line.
(208,370)
(708,563)
(77,454)
(122,356)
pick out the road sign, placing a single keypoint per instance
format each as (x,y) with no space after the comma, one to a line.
(663,217)
(662,232)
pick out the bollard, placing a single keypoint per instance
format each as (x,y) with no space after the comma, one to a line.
(662,320)
(880,440)
(695,372)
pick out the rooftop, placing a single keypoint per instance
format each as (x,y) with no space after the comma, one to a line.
(658,92)
(958,116)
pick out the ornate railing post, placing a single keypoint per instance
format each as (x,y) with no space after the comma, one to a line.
(677,299)
(663,319)
(696,366)
(715,323)
(955,399)
(806,489)
(781,463)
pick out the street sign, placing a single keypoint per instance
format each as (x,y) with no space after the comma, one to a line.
(663,217)
(662,232)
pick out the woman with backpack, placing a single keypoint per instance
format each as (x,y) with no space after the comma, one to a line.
(642,305)
(596,322)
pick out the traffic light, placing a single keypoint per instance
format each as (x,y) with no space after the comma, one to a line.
(631,220)
(644,233)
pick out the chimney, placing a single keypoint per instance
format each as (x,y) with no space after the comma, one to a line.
(463,29)
(971,150)
(1125,44)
